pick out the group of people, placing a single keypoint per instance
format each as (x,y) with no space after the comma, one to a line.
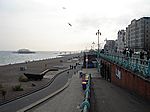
(142,53)
(128,53)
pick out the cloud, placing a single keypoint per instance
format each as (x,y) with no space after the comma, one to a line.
(45,20)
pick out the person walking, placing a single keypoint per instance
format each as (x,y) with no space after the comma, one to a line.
(124,52)
(130,53)
(141,56)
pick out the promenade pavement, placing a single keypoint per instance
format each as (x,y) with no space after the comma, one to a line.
(106,97)
(68,100)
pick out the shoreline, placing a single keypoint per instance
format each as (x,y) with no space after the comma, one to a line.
(28,61)
(9,58)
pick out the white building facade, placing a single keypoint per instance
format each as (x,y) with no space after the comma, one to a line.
(121,41)
(138,34)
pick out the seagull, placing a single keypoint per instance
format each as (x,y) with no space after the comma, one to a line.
(64,8)
(69,24)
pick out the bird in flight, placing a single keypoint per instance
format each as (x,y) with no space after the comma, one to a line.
(69,24)
(64,8)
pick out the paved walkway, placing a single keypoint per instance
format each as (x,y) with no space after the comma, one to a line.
(68,100)
(107,97)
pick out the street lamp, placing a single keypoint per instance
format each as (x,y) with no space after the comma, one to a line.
(98,33)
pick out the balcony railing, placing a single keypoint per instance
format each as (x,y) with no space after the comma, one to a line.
(140,66)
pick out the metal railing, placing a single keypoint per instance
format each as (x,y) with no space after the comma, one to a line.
(141,66)
(86,103)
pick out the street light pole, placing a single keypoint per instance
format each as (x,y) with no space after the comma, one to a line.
(98,33)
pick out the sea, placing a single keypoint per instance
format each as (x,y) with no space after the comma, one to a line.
(9,57)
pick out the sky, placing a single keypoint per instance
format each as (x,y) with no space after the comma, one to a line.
(42,25)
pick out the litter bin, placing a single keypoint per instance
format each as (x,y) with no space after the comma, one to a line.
(84,85)
(86,78)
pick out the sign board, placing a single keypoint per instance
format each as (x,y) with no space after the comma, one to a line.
(118,73)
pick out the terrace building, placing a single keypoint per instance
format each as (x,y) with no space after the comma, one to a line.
(138,34)
(109,46)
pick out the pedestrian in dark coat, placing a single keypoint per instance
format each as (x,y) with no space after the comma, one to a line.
(130,53)
(124,51)
(141,56)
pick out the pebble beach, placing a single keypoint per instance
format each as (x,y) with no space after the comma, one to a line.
(9,75)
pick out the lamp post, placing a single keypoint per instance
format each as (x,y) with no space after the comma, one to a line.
(98,33)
